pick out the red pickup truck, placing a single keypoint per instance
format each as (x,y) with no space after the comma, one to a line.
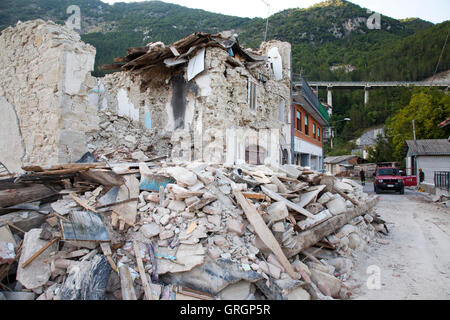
(392,179)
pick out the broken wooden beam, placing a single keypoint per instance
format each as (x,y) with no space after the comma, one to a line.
(309,238)
(293,206)
(39,252)
(110,67)
(82,203)
(143,274)
(12,197)
(128,292)
(264,232)
(346,197)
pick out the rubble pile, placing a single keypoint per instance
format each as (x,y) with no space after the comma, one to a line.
(180,230)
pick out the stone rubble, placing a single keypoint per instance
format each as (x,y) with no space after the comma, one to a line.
(197,219)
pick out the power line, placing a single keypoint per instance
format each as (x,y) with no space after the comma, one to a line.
(267,21)
(439,61)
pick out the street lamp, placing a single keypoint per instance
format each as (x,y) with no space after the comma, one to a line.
(332,132)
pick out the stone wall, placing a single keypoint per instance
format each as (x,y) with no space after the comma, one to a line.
(44,81)
(159,111)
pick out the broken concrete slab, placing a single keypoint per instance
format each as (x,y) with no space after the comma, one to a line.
(38,272)
(278,211)
(183,175)
(7,236)
(337,206)
(150,230)
(212,277)
(328,284)
(186,257)
(238,291)
(7,253)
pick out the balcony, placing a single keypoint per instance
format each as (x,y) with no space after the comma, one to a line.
(309,95)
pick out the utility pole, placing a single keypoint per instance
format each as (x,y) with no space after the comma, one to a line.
(414,129)
(267,21)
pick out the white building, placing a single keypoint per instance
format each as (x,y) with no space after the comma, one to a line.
(431,156)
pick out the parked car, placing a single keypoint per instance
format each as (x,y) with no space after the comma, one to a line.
(389,178)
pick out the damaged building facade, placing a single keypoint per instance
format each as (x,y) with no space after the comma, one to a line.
(44,83)
(201,98)
(206,97)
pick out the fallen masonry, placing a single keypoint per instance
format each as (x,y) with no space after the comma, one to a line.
(207,231)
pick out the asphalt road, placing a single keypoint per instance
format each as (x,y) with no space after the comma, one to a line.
(414,259)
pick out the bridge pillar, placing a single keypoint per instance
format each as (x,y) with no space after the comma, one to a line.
(330,96)
(366,95)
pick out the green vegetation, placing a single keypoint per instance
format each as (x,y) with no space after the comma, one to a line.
(428,108)
(331,33)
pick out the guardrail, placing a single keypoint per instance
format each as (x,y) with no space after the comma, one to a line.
(442,180)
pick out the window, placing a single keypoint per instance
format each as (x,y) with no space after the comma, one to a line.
(252,95)
(299,121)
(281,114)
(306,125)
(318,133)
(314,130)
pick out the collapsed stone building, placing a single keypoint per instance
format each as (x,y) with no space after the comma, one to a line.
(201,98)
(211,231)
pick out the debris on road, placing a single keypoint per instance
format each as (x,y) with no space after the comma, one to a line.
(182,230)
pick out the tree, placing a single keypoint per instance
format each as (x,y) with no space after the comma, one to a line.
(428,107)
(382,152)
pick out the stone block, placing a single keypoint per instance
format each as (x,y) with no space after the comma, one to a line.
(235,226)
(7,254)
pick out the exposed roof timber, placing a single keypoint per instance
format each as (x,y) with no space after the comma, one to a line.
(155,54)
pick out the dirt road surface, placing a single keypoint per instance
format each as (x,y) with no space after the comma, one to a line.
(415,259)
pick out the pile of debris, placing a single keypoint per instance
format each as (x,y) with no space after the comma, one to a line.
(160,230)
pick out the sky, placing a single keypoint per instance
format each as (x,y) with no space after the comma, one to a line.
(435,11)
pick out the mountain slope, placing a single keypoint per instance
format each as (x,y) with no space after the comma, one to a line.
(331,33)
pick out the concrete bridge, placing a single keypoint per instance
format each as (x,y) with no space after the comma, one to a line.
(330,85)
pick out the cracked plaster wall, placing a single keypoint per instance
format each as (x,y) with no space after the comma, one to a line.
(45,77)
(214,101)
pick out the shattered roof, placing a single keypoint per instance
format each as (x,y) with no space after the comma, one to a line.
(433,147)
(339,159)
(179,52)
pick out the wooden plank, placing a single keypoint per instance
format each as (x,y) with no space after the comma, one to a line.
(309,238)
(104,177)
(201,204)
(346,197)
(255,196)
(82,203)
(264,232)
(112,66)
(12,197)
(116,203)
(293,206)
(128,292)
(39,252)
(309,197)
(143,274)
(76,166)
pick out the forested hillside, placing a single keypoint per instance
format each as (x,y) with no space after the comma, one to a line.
(330,41)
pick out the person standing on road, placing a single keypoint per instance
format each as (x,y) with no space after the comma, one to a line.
(362,174)
(421,175)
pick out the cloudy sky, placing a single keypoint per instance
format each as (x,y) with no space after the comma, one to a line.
(431,10)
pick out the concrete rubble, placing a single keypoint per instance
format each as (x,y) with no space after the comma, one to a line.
(157,208)
(194,238)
